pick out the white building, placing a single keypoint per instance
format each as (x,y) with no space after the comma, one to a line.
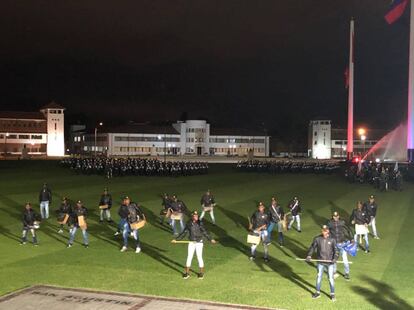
(320,139)
(325,142)
(33,133)
(192,137)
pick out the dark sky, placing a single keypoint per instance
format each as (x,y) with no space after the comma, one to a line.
(237,63)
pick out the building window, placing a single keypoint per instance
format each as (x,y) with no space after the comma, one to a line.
(316,142)
(55,126)
(24,137)
(316,133)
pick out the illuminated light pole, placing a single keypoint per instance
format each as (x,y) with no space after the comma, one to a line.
(350,136)
(96,136)
(410,114)
(363,137)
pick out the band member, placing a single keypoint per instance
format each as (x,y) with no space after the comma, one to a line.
(29,219)
(78,219)
(123,214)
(45,199)
(207,205)
(276,219)
(178,208)
(327,253)
(371,208)
(341,233)
(63,214)
(105,205)
(259,223)
(165,206)
(360,218)
(135,215)
(295,209)
(197,233)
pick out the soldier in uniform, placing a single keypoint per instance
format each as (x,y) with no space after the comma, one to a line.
(165,206)
(371,208)
(207,201)
(361,219)
(29,219)
(276,215)
(106,200)
(79,211)
(295,209)
(340,232)
(259,223)
(65,210)
(178,207)
(134,215)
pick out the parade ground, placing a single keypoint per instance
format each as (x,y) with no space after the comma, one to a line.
(382,279)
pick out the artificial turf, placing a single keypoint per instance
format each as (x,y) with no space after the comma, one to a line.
(382,279)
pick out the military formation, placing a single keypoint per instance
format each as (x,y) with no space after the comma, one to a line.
(116,167)
(383,177)
(288,166)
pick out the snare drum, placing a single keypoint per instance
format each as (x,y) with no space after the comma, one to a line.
(138,225)
(176,216)
(253,239)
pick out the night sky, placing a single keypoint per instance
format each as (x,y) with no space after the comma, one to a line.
(236,63)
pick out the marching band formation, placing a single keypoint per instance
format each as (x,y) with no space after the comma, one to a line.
(337,238)
(115,167)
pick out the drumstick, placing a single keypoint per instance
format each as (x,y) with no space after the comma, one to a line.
(183,241)
(321,260)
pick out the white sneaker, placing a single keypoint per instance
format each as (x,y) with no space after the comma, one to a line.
(60,231)
(116,233)
(376,237)
(336,275)
(131,234)
(138,249)
(124,249)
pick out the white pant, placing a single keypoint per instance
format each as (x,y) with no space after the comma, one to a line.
(374,226)
(198,248)
(211,215)
(297,218)
(263,237)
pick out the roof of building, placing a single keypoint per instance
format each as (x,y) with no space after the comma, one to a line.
(52,105)
(235,132)
(22,115)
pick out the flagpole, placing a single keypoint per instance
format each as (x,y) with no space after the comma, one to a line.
(410,114)
(350,136)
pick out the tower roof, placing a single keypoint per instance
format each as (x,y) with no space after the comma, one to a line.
(52,105)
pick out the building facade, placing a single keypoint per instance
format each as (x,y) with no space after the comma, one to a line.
(325,142)
(192,137)
(33,133)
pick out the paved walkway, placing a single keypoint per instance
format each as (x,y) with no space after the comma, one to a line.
(56,298)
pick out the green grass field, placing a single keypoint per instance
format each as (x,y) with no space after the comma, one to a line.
(382,279)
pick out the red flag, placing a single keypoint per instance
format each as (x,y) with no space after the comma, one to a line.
(346,76)
(397,9)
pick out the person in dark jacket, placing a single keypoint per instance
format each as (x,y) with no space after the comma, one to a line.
(360,219)
(207,204)
(197,233)
(165,206)
(64,213)
(45,199)
(177,207)
(105,205)
(341,232)
(78,220)
(123,215)
(29,222)
(259,223)
(295,210)
(135,214)
(327,254)
(276,215)
(371,208)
